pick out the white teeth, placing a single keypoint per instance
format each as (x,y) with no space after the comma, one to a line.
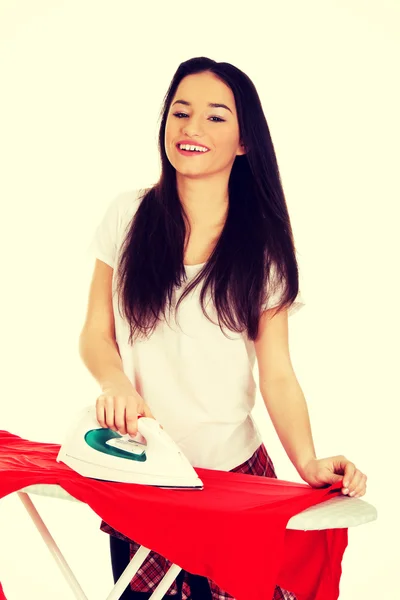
(187,147)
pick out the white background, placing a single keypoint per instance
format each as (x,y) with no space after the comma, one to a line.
(81,89)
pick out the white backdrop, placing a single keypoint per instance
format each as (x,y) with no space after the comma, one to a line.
(82,85)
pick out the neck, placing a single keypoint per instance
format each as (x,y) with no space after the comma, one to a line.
(205,202)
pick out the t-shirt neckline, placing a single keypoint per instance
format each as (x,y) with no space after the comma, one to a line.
(194,266)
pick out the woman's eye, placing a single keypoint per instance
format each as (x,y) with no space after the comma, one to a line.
(185,115)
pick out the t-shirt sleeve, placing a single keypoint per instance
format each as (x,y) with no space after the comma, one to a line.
(106,239)
(276,293)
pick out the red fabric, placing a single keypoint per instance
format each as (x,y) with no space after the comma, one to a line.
(2,596)
(155,566)
(232,507)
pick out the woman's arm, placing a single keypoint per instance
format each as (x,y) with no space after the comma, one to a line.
(281,392)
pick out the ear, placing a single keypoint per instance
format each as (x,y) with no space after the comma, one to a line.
(241,150)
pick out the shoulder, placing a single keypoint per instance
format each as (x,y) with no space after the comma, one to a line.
(127,202)
(125,205)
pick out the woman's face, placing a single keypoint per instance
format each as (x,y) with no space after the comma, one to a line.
(217,128)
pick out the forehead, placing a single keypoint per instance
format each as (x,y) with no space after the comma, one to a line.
(202,88)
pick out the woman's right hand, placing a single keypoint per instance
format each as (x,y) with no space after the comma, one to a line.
(117,408)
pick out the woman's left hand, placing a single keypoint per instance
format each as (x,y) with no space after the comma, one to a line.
(319,472)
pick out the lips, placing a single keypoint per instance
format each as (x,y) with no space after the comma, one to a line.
(192,143)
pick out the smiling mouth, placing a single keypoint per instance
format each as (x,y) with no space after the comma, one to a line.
(192,151)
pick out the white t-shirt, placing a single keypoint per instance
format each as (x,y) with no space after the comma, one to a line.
(198,383)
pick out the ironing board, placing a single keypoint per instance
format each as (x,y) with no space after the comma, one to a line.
(337,512)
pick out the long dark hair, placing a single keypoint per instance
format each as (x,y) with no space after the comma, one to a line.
(257,232)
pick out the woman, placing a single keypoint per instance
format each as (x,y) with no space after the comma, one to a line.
(194,280)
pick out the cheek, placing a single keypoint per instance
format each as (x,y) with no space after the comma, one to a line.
(169,137)
(229,143)
(171,123)
(227,137)
(170,133)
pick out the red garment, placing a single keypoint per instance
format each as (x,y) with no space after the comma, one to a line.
(155,566)
(231,506)
(2,596)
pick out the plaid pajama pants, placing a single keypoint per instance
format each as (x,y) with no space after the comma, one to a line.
(155,566)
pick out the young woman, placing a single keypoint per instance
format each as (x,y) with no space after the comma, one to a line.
(194,280)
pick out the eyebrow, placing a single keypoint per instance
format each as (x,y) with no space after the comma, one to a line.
(213,104)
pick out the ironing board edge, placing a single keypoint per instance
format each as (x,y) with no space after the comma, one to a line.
(330,513)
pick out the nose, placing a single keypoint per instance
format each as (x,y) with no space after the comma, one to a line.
(194,137)
(192,130)
(192,133)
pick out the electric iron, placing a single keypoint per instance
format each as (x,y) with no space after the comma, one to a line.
(150,458)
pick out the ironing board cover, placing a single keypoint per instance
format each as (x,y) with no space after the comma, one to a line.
(238,522)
